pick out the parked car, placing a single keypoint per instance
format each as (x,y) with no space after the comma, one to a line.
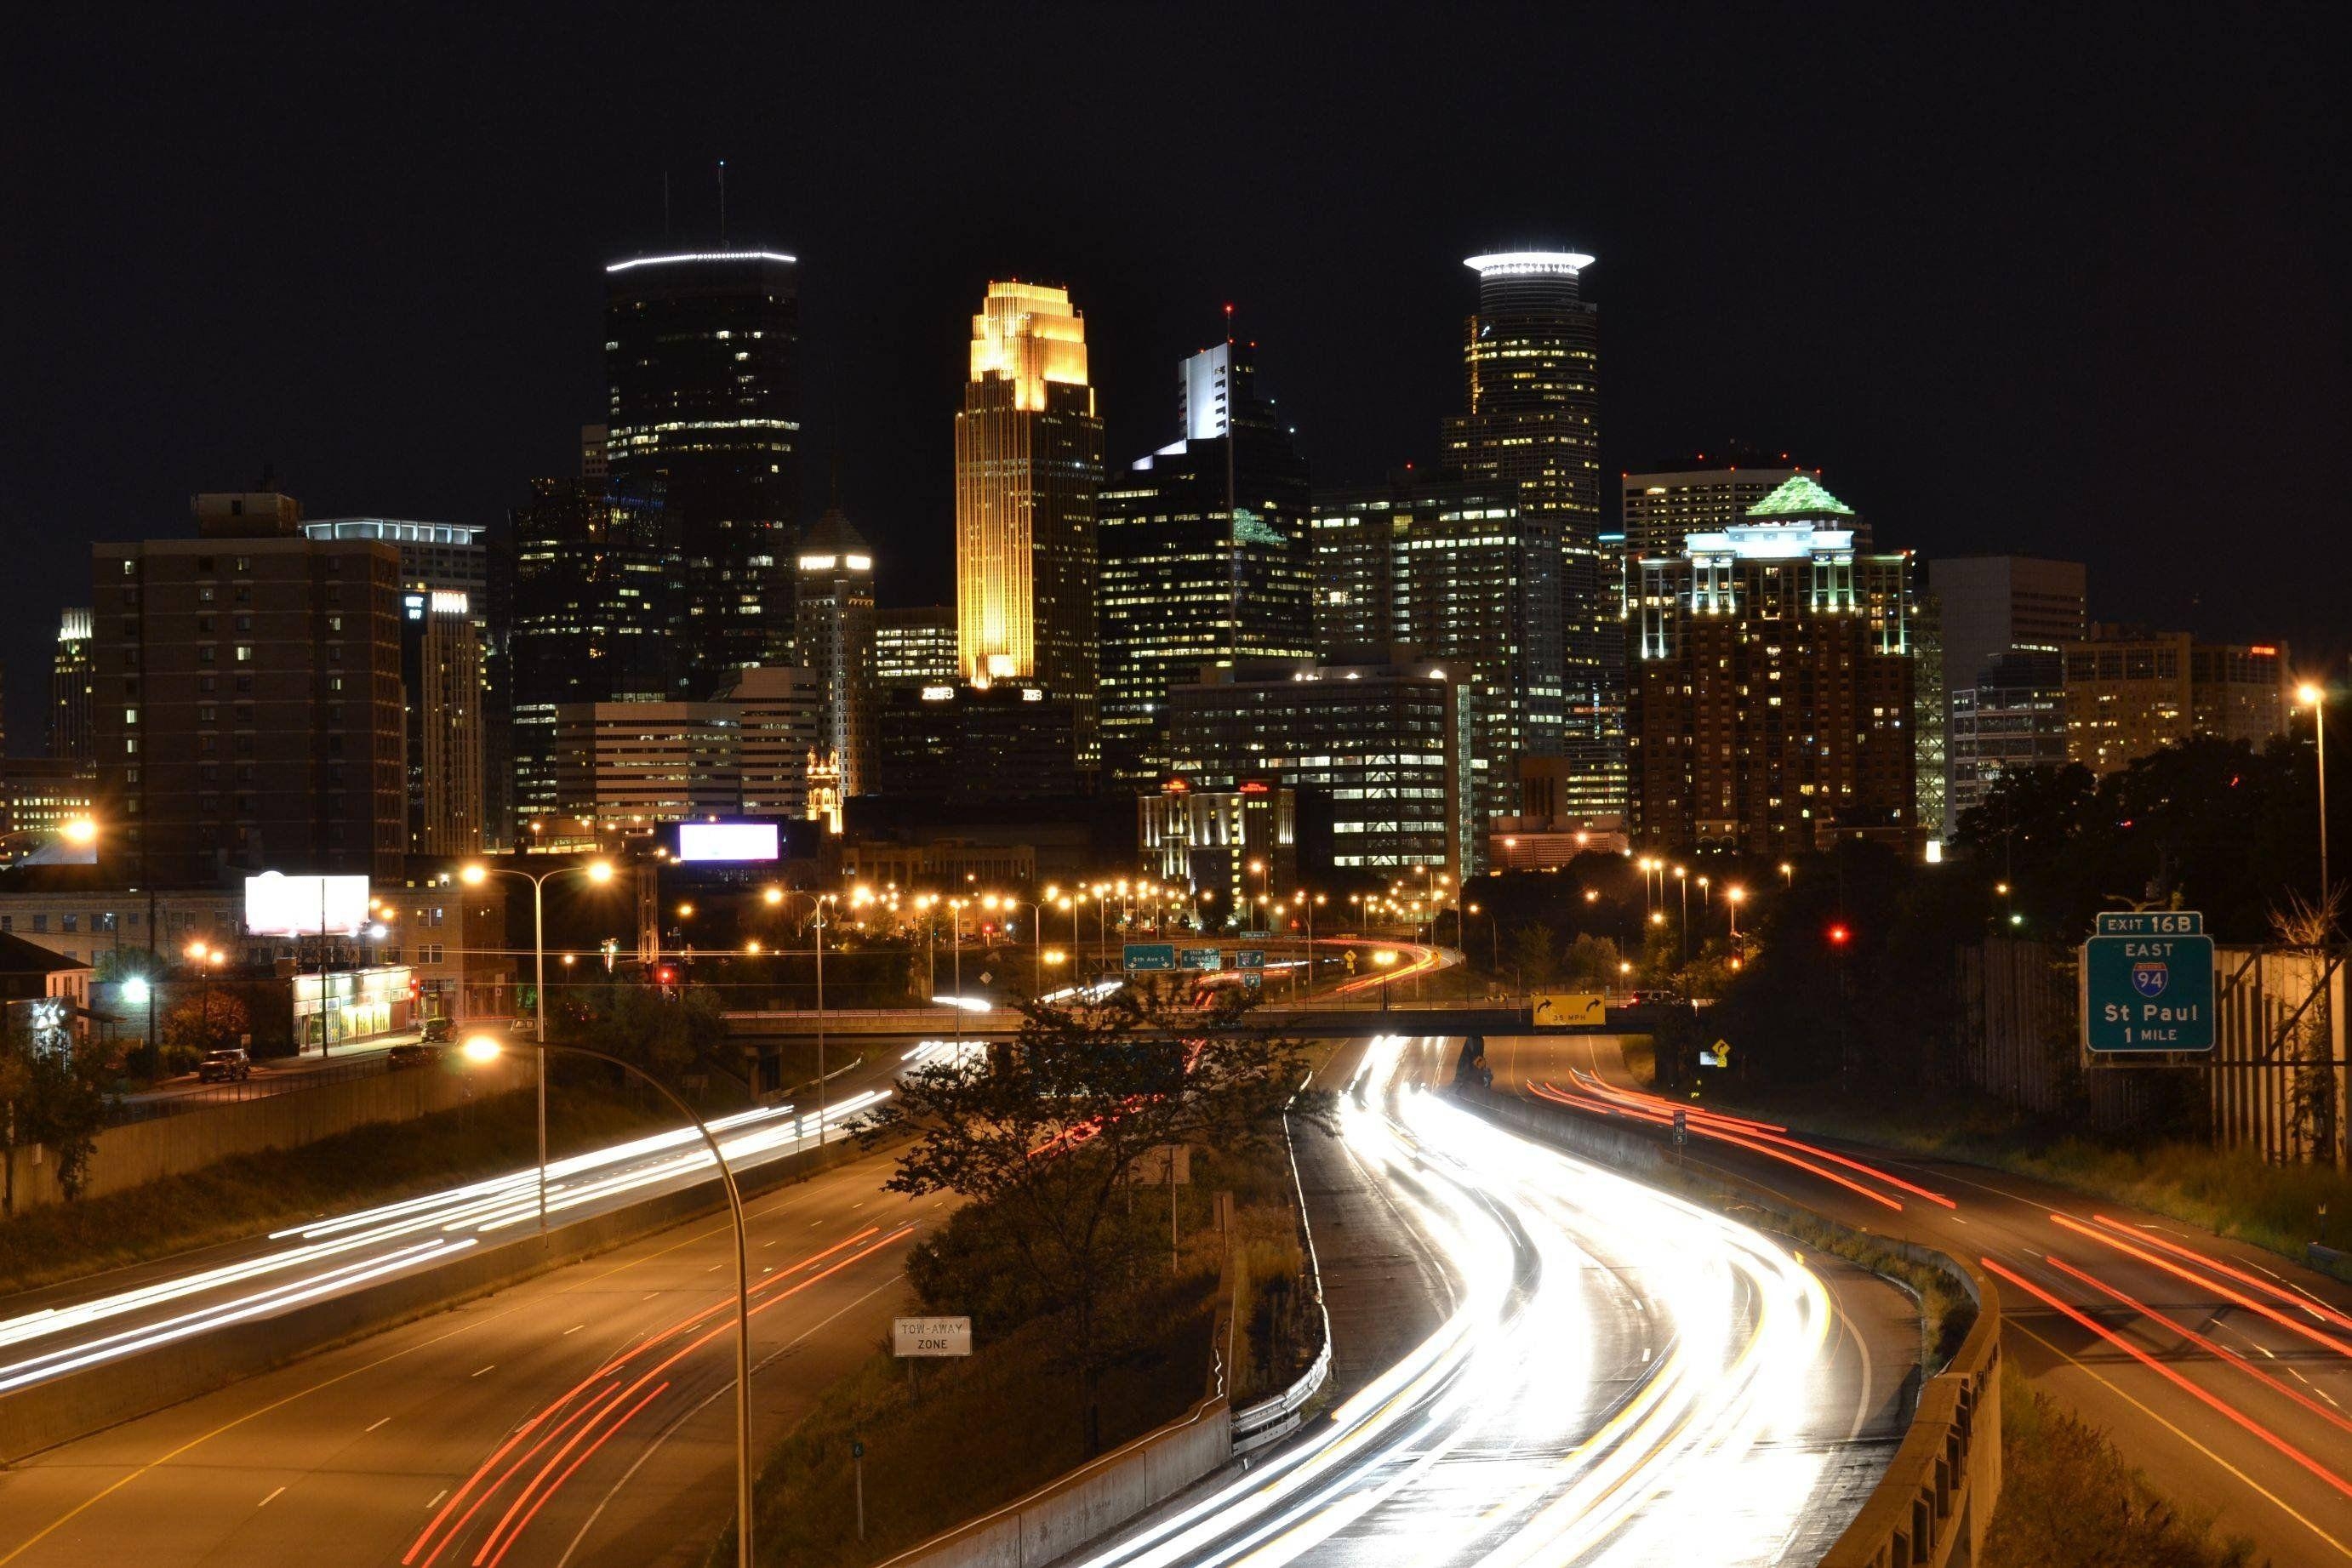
(226,1066)
(412,1053)
(438,1032)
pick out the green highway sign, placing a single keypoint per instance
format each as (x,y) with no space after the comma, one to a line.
(2147,992)
(1150,955)
(1249,959)
(1198,958)
(2152,923)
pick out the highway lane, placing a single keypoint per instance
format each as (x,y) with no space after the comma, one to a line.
(418,1445)
(48,1332)
(1618,1376)
(2222,1371)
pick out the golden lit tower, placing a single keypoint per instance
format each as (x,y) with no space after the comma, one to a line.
(1028,464)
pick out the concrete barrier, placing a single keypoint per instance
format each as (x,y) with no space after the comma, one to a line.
(172,1145)
(1935,1500)
(96,1398)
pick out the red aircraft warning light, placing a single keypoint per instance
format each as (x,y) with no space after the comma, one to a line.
(1839,936)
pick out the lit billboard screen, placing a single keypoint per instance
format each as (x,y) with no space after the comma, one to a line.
(726,841)
(280,905)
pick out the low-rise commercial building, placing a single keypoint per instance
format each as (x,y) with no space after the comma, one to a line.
(2131,694)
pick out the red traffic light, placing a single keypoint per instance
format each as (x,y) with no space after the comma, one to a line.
(666,974)
(1838,936)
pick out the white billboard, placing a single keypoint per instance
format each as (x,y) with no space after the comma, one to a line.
(280,905)
(726,841)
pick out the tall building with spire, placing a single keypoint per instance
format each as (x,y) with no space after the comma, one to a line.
(701,363)
(1531,372)
(834,634)
(1029,466)
(70,719)
(1206,557)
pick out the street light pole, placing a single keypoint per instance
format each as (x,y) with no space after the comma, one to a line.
(474,877)
(2315,696)
(482,1048)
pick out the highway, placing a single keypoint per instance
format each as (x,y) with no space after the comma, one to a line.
(581,1417)
(1615,1375)
(2220,1370)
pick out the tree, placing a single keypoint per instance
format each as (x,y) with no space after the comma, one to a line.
(647,1026)
(211,1019)
(1535,955)
(55,1097)
(1045,1133)
(1593,963)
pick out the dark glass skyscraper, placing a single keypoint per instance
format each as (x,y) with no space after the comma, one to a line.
(594,620)
(1205,557)
(701,360)
(1531,364)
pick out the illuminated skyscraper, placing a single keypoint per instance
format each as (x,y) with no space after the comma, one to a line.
(700,355)
(1028,466)
(1531,358)
(69,690)
(1205,555)
(836,638)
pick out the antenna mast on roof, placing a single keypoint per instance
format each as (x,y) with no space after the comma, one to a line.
(722,203)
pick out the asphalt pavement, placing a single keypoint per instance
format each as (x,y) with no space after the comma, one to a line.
(2221,1370)
(1537,1361)
(582,1417)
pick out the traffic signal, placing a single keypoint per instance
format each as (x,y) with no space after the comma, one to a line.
(1839,935)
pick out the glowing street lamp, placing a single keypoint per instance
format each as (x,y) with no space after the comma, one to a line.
(2313,695)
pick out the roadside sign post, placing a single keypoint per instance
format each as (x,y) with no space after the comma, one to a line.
(857,1460)
(2147,984)
(912,1339)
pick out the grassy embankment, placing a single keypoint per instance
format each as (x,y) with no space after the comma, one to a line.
(2069,1500)
(975,1433)
(248,1195)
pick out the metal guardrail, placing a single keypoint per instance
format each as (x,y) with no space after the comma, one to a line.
(262,1085)
(1274,1419)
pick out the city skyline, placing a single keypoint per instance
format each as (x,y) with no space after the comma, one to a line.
(1893,331)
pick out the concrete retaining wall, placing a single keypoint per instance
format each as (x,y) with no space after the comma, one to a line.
(96,1398)
(1935,1501)
(171,1145)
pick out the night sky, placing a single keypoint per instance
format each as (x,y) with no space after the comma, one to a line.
(2075,286)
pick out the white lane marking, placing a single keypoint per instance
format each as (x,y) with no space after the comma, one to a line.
(265,1502)
(379,1423)
(575,1329)
(445,1492)
(492,1367)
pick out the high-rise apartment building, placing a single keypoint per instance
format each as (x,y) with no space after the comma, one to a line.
(1205,554)
(1661,506)
(69,737)
(1466,576)
(2131,694)
(1773,685)
(701,360)
(248,705)
(444,572)
(1380,738)
(836,637)
(593,619)
(441,647)
(1531,364)
(1029,462)
(916,645)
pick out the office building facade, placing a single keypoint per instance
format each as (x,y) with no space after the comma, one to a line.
(1661,506)
(248,706)
(2011,720)
(834,632)
(1028,465)
(916,645)
(594,592)
(441,648)
(746,753)
(1531,371)
(1382,740)
(701,354)
(1207,841)
(1988,606)
(1773,686)
(970,743)
(1205,555)
(1466,575)
(2131,693)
